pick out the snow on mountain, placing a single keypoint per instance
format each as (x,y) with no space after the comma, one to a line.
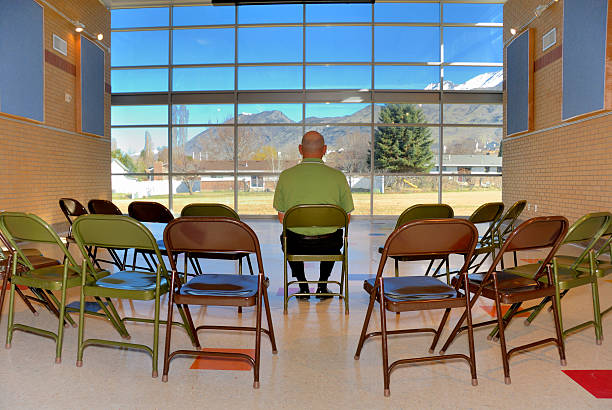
(491,81)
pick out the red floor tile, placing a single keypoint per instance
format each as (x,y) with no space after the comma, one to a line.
(527,260)
(490,310)
(596,382)
(223,363)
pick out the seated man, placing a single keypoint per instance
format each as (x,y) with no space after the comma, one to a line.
(312,182)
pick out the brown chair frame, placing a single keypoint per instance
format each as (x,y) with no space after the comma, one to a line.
(153,212)
(514,291)
(215,234)
(431,238)
(105,207)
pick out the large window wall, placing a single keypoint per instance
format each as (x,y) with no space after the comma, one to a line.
(209,102)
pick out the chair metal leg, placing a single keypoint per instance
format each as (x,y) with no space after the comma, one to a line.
(366,322)
(9,329)
(502,338)
(596,311)
(269,320)
(192,329)
(156,328)
(249,263)
(439,331)
(62,314)
(169,335)
(25,300)
(468,311)
(80,346)
(383,331)
(260,285)
(558,327)
(396,267)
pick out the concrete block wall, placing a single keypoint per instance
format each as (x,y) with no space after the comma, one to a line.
(40,163)
(563,167)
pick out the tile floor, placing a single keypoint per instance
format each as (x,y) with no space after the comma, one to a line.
(314,367)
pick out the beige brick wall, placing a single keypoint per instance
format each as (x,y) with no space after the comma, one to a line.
(564,168)
(40,163)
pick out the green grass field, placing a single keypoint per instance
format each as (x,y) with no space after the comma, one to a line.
(260,203)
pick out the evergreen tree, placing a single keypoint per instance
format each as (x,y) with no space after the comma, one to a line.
(402,149)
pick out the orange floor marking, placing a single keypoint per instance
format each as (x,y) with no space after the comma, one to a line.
(223,363)
(528,260)
(491,311)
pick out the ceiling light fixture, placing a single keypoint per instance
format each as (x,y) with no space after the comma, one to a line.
(78,26)
(100,37)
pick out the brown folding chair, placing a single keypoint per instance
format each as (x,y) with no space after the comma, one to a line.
(431,238)
(105,207)
(72,209)
(153,212)
(216,234)
(503,286)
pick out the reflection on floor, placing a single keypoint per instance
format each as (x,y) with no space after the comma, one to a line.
(314,366)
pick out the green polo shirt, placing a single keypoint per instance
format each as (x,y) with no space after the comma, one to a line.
(312,182)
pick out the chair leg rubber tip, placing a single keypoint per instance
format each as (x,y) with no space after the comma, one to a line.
(36,314)
(496,339)
(256,385)
(526,322)
(431,351)
(58,360)
(598,342)
(128,337)
(387,392)
(79,363)
(274,351)
(489,337)
(474,382)
(165,378)
(442,352)
(507,380)
(356,357)
(154,374)
(74,325)
(563,362)
(7,346)
(66,325)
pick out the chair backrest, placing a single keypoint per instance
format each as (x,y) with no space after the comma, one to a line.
(431,237)
(506,223)
(19,226)
(425,211)
(210,234)
(103,207)
(535,233)
(209,209)
(589,228)
(319,215)
(71,208)
(487,213)
(144,211)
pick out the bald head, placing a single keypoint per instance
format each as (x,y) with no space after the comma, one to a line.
(313,145)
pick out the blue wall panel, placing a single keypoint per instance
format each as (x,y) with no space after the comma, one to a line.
(584,56)
(21,59)
(518,80)
(92,87)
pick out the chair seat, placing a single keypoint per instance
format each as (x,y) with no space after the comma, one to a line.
(512,287)
(50,277)
(127,285)
(568,278)
(218,255)
(400,291)
(411,258)
(603,268)
(41,261)
(219,289)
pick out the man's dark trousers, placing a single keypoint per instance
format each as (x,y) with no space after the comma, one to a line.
(329,244)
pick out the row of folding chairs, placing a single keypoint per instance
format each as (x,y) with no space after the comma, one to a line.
(186,235)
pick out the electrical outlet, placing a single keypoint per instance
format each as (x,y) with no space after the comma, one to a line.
(535,208)
(67,97)
(529,207)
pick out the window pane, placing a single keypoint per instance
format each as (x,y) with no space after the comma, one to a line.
(393,194)
(269,113)
(203,46)
(473,44)
(329,44)
(416,113)
(142,17)
(407,12)
(472,148)
(203,114)
(472,78)
(124,81)
(268,148)
(218,189)
(338,13)
(126,189)
(203,79)
(199,149)
(407,44)
(466,193)
(203,15)
(132,48)
(406,149)
(139,115)
(331,77)
(473,114)
(473,13)
(269,78)
(266,45)
(277,13)
(338,113)
(348,148)
(406,77)
(134,150)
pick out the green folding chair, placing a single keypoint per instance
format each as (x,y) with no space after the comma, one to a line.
(307,216)
(121,232)
(572,271)
(18,226)
(416,212)
(214,210)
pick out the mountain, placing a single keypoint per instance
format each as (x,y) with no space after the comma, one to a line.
(485,81)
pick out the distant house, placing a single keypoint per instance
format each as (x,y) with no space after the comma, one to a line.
(470,164)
